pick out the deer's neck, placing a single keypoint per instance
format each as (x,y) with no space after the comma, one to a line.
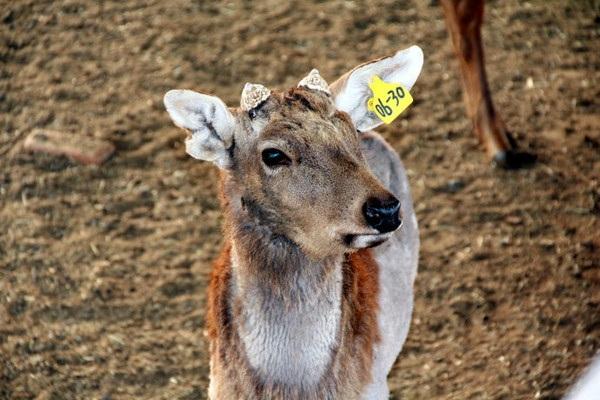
(289,306)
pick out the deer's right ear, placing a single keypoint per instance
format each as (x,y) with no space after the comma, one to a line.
(351,92)
(209,121)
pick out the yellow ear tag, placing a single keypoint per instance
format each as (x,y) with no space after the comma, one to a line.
(389,99)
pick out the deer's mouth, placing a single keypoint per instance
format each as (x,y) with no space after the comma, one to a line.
(363,241)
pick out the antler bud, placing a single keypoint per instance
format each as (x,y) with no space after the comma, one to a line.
(315,81)
(252,95)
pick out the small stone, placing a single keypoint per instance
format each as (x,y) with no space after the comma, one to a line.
(80,148)
(17,307)
(116,340)
(547,244)
(529,83)
(8,17)
(452,186)
(177,73)
(514,220)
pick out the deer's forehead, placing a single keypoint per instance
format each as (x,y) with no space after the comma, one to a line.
(301,117)
(307,128)
(306,112)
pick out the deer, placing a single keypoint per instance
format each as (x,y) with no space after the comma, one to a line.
(311,296)
(463,20)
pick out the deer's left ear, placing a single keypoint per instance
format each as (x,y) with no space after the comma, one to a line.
(351,91)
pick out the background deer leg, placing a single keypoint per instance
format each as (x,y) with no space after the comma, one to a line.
(463,19)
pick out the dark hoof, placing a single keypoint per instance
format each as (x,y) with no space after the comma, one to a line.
(512,159)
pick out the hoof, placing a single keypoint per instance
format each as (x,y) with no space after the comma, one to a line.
(511,159)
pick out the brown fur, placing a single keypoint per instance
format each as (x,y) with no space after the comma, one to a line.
(216,314)
(464,19)
(360,290)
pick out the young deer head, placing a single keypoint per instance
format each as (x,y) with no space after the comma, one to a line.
(293,160)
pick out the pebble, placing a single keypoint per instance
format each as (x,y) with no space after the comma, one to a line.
(77,147)
(529,83)
(452,186)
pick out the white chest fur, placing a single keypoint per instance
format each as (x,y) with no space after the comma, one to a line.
(290,342)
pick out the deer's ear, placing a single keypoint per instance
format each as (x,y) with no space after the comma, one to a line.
(209,121)
(351,91)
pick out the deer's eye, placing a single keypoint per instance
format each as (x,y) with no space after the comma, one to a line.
(274,158)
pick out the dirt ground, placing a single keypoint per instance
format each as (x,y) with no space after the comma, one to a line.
(103,269)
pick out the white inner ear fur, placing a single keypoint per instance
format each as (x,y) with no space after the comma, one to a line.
(352,91)
(209,121)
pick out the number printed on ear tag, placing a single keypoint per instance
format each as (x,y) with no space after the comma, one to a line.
(389,99)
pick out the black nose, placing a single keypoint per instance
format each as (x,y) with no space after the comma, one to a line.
(382,214)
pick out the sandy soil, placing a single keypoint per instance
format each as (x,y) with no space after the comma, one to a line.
(103,269)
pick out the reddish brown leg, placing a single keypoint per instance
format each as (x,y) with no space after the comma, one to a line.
(464,18)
